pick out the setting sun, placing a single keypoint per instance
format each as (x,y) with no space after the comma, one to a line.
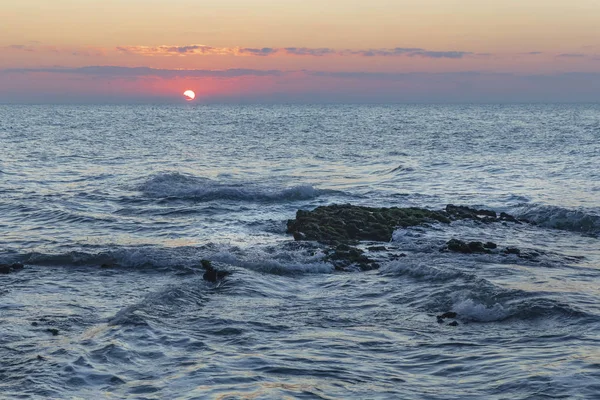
(189,95)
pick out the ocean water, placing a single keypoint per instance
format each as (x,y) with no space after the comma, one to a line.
(152,190)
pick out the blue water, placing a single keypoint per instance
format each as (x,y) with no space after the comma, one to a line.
(153,190)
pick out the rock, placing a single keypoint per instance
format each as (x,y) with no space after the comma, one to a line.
(8,268)
(212,275)
(377,248)
(459,246)
(449,314)
(512,250)
(344,256)
(477,247)
(462,212)
(298,236)
(340,226)
(509,218)
(349,224)
(53,331)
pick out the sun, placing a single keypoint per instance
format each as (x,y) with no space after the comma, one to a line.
(189,95)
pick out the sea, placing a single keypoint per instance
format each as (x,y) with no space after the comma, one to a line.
(112,208)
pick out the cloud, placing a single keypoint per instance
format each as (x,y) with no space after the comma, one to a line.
(21,47)
(397,76)
(168,50)
(135,72)
(198,49)
(265,51)
(304,51)
(35,47)
(571,55)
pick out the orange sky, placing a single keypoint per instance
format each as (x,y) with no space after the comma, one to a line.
(377,36)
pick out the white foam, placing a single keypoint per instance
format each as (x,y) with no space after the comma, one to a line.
(283,262)
(472,310)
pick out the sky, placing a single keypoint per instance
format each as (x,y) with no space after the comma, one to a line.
(299,51)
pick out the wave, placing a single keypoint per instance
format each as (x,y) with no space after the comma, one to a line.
(278,260)
(561,218)
(159,305)
(476,299)
(183,186)
(523,309)
(424,270)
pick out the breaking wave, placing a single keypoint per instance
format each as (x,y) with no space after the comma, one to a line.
(553,217)
(177,185)
(278,260)
(520,309)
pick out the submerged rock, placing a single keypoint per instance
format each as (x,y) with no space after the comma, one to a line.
(459,246)
(53,331)
(482,215)
(377,248)
(212,275)
(447,315)
(8,268)
(343,257)
(462,212)
(512,250)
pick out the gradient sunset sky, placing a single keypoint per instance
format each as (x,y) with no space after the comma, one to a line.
(372,51)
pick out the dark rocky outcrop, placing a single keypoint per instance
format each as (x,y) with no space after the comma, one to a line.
(459,246)
(348,223)
(462,212)
(343,257)
(8,268)
(377,248)
(512,250)
(447,315)
(53,331)
(211,274)
(482,215)
(341,227)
